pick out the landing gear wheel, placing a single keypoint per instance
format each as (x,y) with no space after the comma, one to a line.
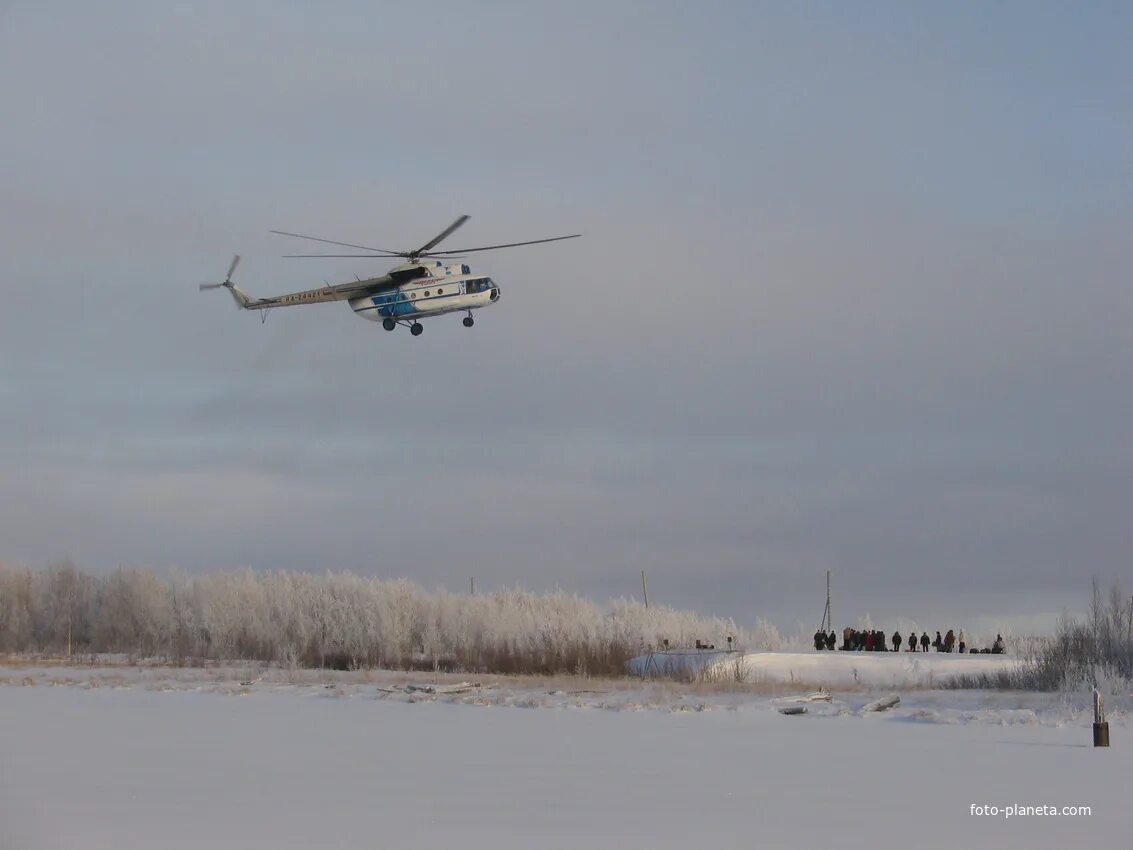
(389,324)
(468,321)
(416,329)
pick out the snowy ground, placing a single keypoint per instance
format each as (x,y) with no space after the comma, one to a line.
(830,669)
(151,757)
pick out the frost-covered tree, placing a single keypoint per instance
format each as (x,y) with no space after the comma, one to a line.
(339,619)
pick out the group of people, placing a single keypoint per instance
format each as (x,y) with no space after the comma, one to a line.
(873,640)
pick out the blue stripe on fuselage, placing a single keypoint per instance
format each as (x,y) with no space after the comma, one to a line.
(393,304)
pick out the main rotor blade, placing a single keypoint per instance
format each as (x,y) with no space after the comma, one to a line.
(369,256)
(332,242)
(232,268)
(444,234)
(493,247)
(204,286)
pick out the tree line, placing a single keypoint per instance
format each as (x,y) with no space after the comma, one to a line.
(1096,651)
(337,620)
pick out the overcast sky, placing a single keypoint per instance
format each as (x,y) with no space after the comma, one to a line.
(853,294)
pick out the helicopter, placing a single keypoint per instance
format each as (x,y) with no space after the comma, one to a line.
(427,284)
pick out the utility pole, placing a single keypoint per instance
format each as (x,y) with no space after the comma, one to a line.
(827,615)
(70,607)
(644,589)
(472,586)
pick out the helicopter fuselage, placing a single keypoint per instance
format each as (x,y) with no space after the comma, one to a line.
(428,296)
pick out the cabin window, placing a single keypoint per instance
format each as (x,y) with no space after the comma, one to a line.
(426,293)
(440,292)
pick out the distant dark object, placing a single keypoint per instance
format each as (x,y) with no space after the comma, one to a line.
(1101,727)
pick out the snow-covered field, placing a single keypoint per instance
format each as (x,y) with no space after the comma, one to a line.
(111,757)
(830,669)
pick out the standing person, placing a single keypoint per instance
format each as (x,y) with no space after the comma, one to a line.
(961,639)
(938,643)
(949,640)
(831,640)
(924,641)
(847,636)
(997,647)
(869,641)
(819,639)
(896,641)
(912,641)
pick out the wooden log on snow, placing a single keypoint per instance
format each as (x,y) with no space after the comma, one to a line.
(883,704)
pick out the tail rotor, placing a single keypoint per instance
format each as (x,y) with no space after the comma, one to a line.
(241,297)
(227,278)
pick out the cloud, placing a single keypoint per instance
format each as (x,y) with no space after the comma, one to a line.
(849,297)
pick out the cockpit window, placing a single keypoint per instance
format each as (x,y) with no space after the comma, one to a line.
(478,285)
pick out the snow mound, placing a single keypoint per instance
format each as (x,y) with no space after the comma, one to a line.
(828,669)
